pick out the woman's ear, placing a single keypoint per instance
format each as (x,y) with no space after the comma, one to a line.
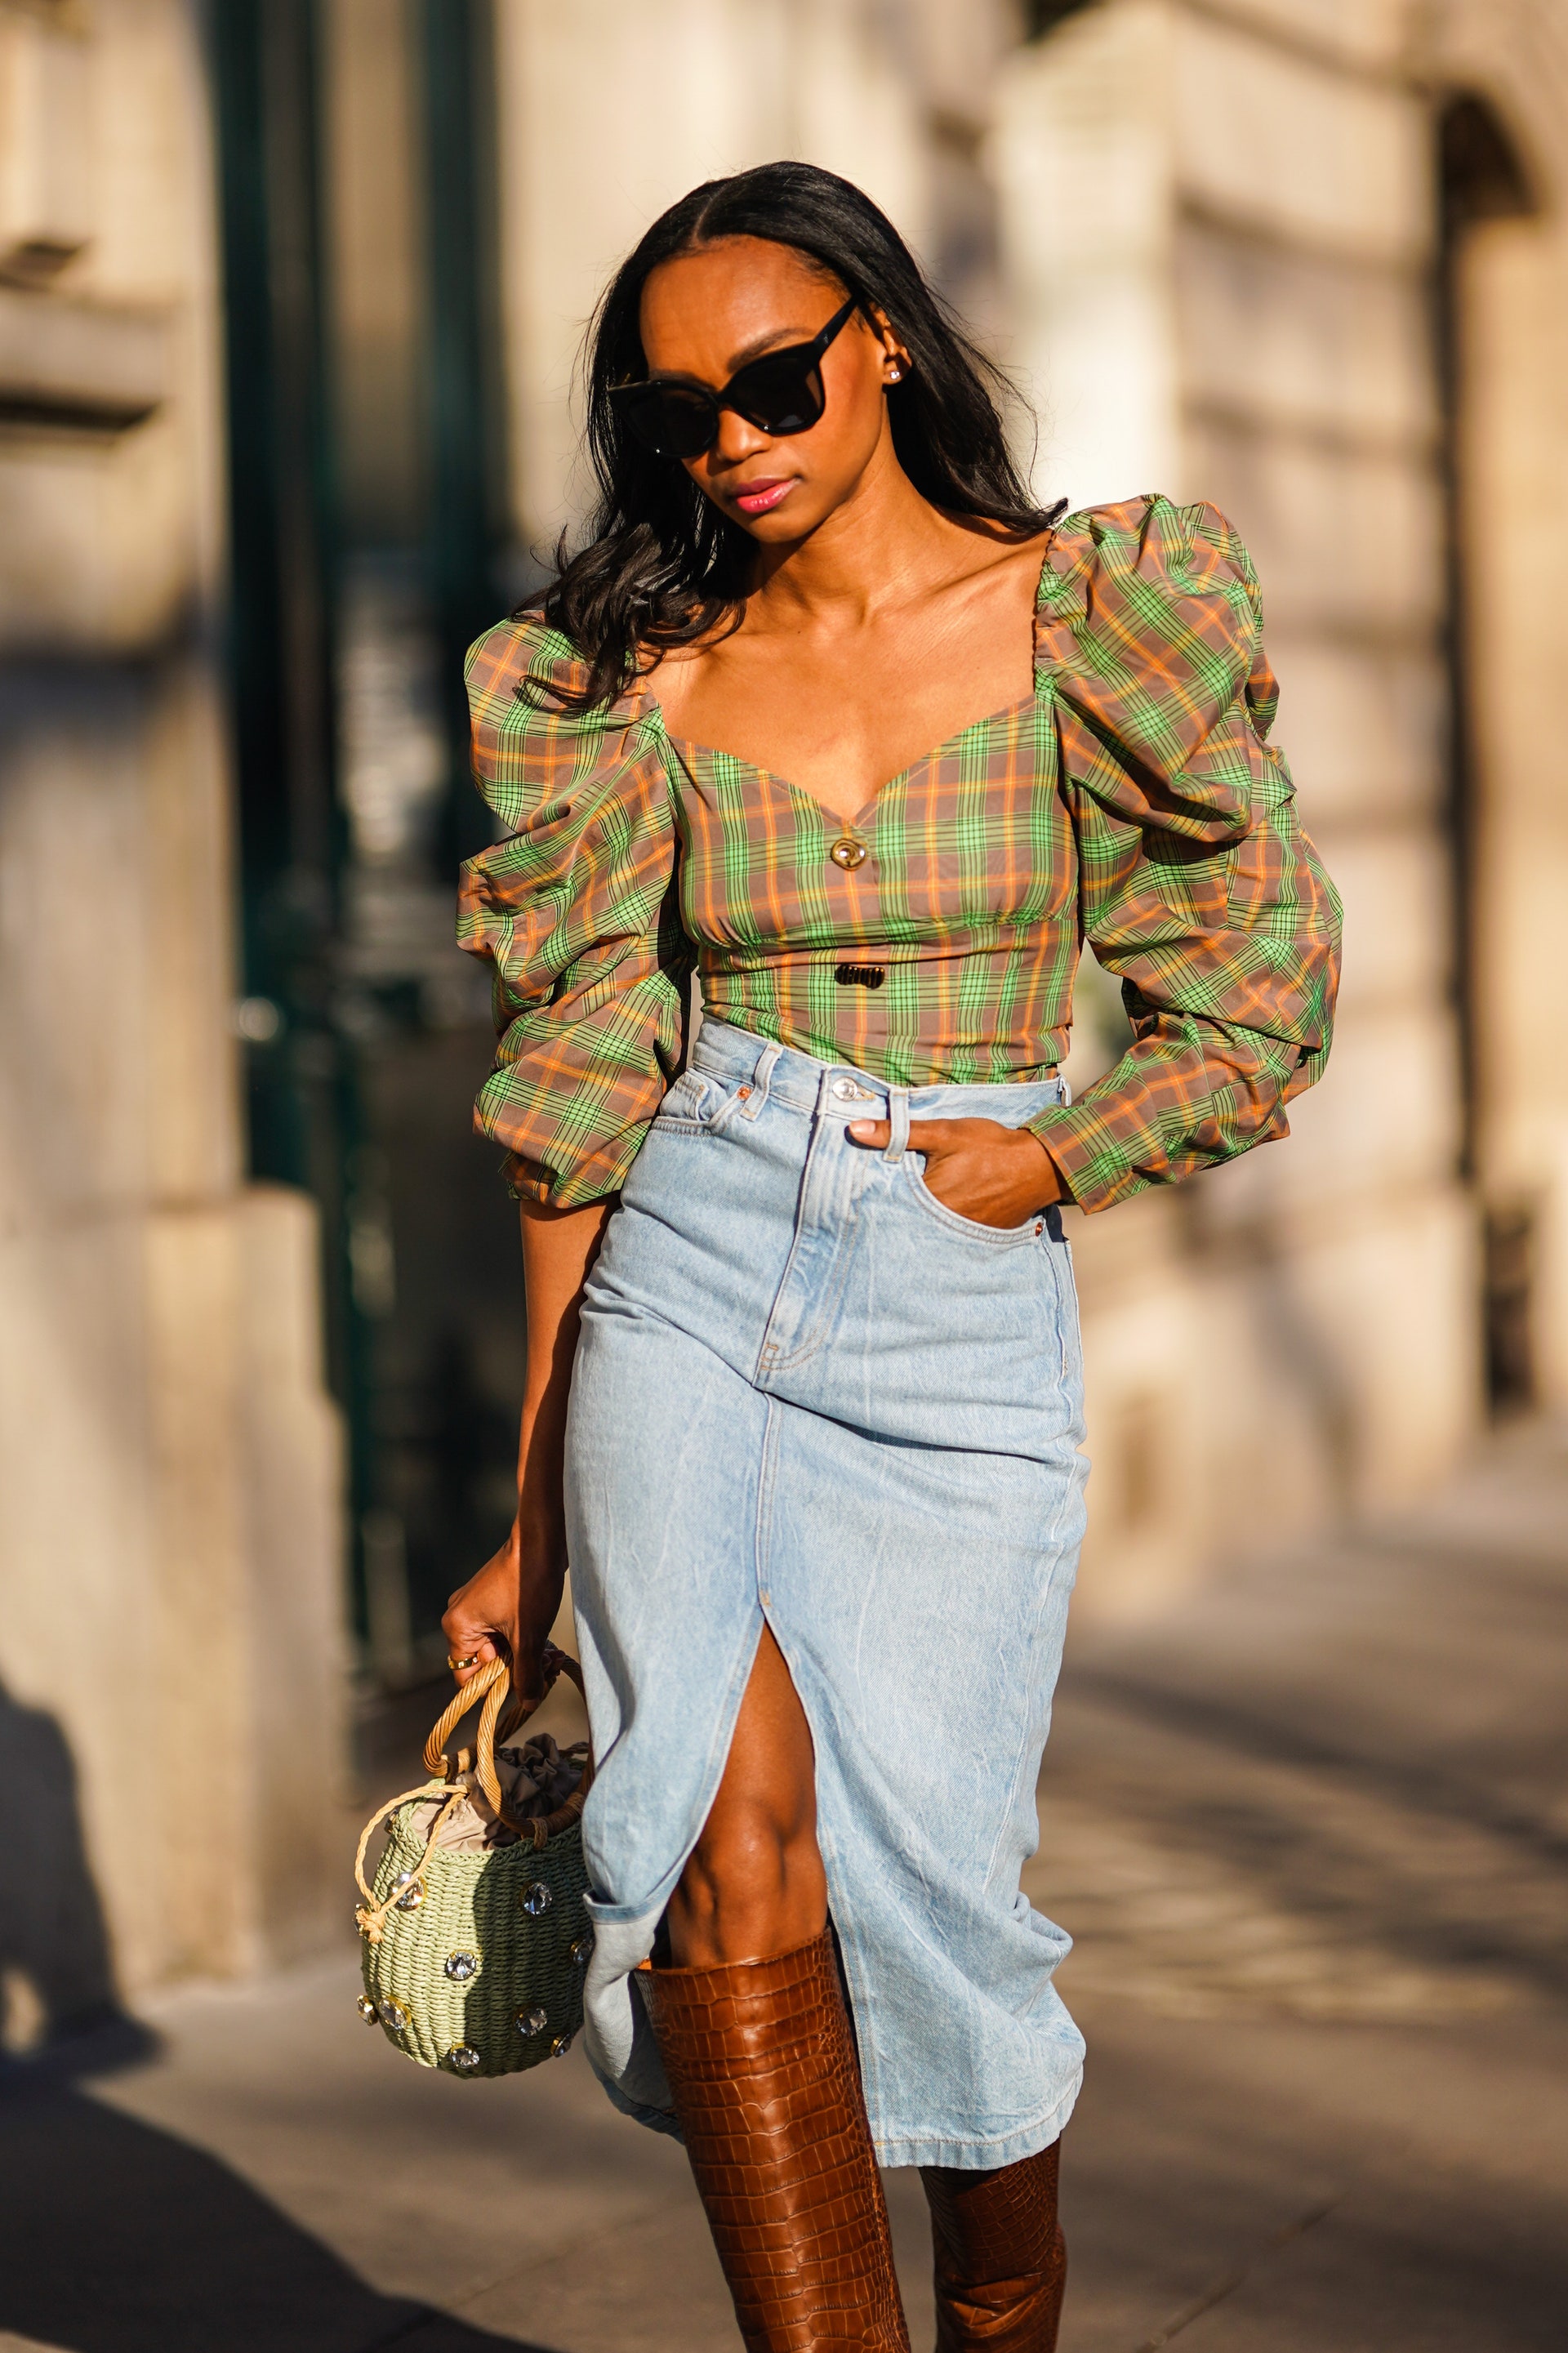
(895,361)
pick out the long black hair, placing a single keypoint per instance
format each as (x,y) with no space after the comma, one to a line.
(661,565)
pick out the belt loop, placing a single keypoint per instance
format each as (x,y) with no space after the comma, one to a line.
(761,1076)
(898,1120)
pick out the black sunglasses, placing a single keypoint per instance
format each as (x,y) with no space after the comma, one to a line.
(779,394)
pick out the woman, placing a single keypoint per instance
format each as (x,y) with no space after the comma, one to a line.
(803,1405)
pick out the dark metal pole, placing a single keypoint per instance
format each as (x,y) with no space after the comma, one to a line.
(465,371)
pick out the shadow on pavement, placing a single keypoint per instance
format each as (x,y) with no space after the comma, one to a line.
(1217,2179)
(52,1936)
(116,2237)
(121,2239)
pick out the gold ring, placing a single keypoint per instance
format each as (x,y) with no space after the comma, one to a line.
(454,1663)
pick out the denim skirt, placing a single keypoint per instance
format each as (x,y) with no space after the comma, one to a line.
(807,1392)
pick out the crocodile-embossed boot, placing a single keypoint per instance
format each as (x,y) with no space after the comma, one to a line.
(767,2088)
(1001,2260)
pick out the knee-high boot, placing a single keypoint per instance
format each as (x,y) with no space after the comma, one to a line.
(767,2088)
(1001,2260)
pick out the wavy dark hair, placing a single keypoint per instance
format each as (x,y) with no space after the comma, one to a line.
(661,565)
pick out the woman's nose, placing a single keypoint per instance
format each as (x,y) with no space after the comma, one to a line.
(737,438)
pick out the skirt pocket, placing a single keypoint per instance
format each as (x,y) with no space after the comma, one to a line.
(1005,1238)
(701,1104)
(686,1106)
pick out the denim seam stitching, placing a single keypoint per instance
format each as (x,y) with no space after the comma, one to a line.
(829,1302)
(763,1523)
(1005,1816)
(838,1276)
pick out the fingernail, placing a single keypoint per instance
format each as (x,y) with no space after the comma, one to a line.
(861,1129)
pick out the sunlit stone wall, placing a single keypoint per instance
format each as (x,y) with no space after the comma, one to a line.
(169,1555)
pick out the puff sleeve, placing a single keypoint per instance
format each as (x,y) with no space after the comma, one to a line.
(574,908)
(1197,886)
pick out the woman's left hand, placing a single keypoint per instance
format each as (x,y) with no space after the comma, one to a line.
(993,1174)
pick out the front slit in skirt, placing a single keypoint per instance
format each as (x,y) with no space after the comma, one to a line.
(807,1392)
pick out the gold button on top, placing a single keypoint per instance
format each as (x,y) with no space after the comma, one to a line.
(847,852)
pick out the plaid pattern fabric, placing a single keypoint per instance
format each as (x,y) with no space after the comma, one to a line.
(1134,800)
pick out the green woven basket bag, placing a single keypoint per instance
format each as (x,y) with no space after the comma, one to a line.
(474,1962)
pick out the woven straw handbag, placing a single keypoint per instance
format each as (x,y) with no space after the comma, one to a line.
(474,1960)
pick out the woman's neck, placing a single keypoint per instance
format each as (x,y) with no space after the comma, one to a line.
(884,539)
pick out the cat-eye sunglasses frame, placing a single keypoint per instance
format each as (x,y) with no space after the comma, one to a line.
(779,393)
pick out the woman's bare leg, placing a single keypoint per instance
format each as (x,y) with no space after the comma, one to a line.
(755,1886)
(760,2056)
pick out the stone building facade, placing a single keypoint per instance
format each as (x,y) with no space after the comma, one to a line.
(1307,261)
(1304,258)
(171,1647)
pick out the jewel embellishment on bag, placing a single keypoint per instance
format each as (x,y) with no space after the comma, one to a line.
(474,1935)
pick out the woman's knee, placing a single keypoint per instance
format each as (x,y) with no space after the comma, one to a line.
(754,1884)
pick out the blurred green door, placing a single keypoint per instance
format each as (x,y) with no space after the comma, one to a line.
(368,542)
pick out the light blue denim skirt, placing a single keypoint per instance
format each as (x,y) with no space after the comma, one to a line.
(808,1392)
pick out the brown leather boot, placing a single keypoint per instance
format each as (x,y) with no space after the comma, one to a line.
(1001,2259)
(760,2063)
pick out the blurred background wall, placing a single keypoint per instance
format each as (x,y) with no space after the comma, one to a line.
(170,1556)
(291,297)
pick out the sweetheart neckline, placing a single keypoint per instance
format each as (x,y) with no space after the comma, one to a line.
(713,752)
(709,754)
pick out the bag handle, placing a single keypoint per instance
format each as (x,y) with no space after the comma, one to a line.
(493,1684)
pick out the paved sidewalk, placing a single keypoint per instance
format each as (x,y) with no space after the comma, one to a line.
(1312,1833)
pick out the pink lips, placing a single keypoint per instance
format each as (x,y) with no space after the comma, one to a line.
(765,496)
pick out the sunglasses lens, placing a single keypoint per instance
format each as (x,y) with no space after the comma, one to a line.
(778,395)
(666,418)
(781,393)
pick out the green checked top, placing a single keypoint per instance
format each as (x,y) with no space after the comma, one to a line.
(1133,800)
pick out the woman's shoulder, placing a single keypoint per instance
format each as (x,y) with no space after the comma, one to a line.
(1149,629)
(528,740)
(1183,550)
(520,668)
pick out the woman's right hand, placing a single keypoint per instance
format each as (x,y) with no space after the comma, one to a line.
(506,1611)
